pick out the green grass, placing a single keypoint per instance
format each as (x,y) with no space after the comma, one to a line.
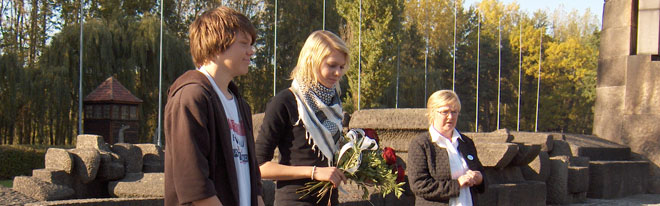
(6,183)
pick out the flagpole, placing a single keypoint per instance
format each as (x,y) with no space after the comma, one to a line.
(160,77)
(80,82)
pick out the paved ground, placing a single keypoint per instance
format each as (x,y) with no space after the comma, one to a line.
(11,197)
(635,200)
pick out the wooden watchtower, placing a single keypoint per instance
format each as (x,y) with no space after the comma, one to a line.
(112,112)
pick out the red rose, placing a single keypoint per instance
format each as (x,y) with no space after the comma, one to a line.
(389,155)
(401,174)
(371,134)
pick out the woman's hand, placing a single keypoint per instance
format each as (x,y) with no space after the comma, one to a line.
(470,178)
(464,181)
(330,174)
(477,178)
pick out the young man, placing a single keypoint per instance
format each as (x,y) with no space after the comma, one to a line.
(209,150)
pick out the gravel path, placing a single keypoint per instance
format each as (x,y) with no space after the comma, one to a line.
(11,197)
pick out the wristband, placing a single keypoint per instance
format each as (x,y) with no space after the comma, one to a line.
(313,171)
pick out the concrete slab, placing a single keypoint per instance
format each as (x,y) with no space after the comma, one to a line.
(130,156)
(505,175)
(538,138)
(152,157)
(648,35)
(40,190)
(407,118)
(596,148)
(649,4)
(399,139)
(86,163)
(257,120)
(59,159)
(618,13)
(538,169)
(609,100)
(642,93)
(557,184)
(103,202)
(578,180)
(138,185)
(576,161)
(618,39)
(497,155)
(526,154)
(91,141)
(560,148)
(610,70)
(608,126)
(616,179)
(58,177)
(528,193)
(93,189)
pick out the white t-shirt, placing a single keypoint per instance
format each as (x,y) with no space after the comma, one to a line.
(238,143)
(457,164)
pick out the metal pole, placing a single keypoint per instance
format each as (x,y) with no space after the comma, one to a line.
(476,105)
(160,75)
(426,55)
(359,56)
(499,68)
(398,62)
(453,78)
(275,53)
(426,71)
(80,82)
(519,69)
(538,86)
(323,14)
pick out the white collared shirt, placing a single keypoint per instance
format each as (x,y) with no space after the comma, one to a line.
(457,164)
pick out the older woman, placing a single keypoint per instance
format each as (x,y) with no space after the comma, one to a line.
(443,167)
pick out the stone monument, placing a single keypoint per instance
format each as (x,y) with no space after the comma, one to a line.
(628,91)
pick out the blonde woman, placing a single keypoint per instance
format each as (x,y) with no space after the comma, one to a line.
(304,123)
(443,166)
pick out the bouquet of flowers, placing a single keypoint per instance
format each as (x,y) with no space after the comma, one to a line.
(365,164)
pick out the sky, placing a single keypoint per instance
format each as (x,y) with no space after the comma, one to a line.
(596,6)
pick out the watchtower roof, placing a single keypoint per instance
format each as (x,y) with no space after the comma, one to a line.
(113,92)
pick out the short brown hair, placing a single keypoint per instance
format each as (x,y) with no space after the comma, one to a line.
(214,31)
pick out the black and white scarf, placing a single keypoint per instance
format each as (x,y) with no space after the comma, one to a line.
(319,109)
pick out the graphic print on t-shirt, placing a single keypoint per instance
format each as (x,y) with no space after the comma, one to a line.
(240,148)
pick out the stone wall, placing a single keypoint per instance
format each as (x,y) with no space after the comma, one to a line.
(95,169)
(628,89)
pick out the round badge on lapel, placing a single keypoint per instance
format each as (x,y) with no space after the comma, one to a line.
(470,157)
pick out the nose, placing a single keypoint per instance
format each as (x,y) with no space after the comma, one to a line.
(340,72)
(251,51)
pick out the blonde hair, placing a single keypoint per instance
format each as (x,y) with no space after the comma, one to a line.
(317,47)
(214,31)
(439,99)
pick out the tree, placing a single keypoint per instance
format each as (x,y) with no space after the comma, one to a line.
(378,30)
(124,48)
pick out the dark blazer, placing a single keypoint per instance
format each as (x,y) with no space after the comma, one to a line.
(429,172)
(199,160)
